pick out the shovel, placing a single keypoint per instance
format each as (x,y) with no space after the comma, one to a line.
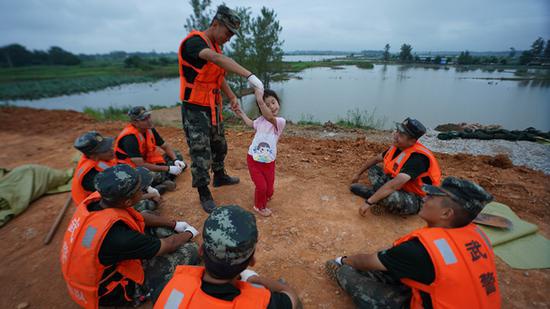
(493,221)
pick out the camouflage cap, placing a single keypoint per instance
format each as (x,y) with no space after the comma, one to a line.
(468,194)
(230,235)
(229,18)
(92,142)
(138,113)
(411,127)
(121,182)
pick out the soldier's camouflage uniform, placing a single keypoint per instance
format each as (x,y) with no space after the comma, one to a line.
(399,202)
(370,289)
(122,181)
(207,145)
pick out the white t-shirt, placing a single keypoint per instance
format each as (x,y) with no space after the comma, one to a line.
(264,145)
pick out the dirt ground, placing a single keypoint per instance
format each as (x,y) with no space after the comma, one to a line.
(315,217)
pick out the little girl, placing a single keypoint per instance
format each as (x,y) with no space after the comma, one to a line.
(263,150)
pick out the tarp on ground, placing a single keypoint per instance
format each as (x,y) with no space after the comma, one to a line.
(24,184)
(521,246)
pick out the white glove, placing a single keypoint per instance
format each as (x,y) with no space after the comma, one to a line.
(154,191)
(338,260)
(175,170)
(180,163)
(181,226)
(255,82)
(247,273)
(191,230)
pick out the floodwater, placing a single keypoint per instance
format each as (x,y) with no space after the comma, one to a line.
(385,94)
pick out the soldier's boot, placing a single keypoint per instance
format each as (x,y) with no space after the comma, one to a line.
(167,185)
(377,210)
(331,269)
(222,179)
(361,190)
(207,202)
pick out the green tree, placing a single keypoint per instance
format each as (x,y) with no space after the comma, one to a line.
(62,57)
(267,52)
(537,47)
(437,59)
(526,57)
(512,53)
(200,19)
(406,53)
(465,58)
(546,53)
(387,52)
(240,48)
(15,55)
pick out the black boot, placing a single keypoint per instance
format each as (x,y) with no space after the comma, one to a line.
(222,179)
(207,202)
(361,190)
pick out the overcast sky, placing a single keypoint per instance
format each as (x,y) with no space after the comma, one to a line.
(99,26)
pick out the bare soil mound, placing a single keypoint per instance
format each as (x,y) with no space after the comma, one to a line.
(315,217)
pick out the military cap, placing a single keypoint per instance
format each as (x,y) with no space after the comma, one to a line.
(122,181)
(92,142)
(411,127)
(138,113)
(230,235)
(229,18)
(468,194)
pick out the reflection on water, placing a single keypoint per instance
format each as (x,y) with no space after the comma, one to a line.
(394,92)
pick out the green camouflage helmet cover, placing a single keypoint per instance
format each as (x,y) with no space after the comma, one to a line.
(230,235)
(468,194)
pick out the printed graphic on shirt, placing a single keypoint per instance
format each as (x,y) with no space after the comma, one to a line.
(264,145)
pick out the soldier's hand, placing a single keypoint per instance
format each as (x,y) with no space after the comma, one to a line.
(175,170)
(234,102)
(364,209)
(247,274)
(153,191)
(255,82)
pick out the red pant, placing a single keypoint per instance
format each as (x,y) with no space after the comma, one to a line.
(263,176)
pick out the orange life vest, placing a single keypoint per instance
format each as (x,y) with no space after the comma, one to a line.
(465,272)
(393,166)
(79,253)
(205,89)
(85,164)
(184,291)
(147,146)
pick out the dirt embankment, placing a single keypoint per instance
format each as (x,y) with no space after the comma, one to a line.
(315,216)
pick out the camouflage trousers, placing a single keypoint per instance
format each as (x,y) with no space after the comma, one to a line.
(160,177)
(373,289)
(159,270)
(399,202)
(207,145)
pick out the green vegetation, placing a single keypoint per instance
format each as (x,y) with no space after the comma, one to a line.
(308,120)
(362,119)
(294,67)
(36,82)
(109,113)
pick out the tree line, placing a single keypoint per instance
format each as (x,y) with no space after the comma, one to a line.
(538,54)
(16,55)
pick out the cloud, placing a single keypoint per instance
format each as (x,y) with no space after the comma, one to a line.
(97,26)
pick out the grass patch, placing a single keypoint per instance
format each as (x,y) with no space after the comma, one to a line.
(294,67)
(109,113)
(308,120)
(37,82)
(362,119)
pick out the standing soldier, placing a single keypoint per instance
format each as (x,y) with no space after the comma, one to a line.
(448,264)
(407,166)
(202,68)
